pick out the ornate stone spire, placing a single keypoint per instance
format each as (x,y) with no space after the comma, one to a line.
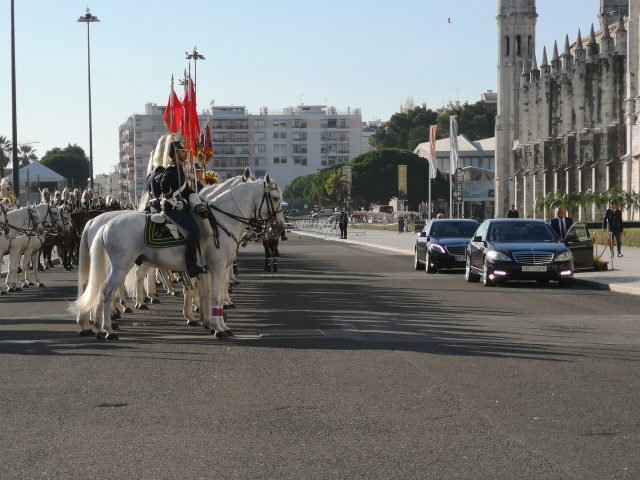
(567,50)
(535,71)
(592,49)
(620,25)
(544,66)
(579,45)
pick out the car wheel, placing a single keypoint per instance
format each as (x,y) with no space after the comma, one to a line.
(486,281)
(427,263)
(416,263)
(565,282)
(468,274)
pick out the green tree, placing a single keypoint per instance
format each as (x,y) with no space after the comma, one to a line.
(405,130)
(410,128)
(71,162)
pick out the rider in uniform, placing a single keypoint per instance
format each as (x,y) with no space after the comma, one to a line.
(176,193)
(154,185)
(46,196)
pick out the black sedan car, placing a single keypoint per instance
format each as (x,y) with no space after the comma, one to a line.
(443,243)
(526,249)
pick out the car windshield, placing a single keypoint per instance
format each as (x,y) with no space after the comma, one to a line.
(521,232)
(443,229)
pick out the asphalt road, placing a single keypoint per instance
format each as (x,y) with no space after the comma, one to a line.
(348,365)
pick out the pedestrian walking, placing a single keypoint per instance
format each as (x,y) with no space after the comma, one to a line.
(612,224)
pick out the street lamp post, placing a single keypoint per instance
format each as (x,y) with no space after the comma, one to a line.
(88,18)
(195,56)
(14,120)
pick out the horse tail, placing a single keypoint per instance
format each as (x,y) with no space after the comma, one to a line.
(130,282)
(84,260)
(98,271)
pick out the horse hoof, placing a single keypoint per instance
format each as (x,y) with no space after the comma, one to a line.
(231,305)
(128,310)
(41,285)
(236,282)
(17,289)
(112,337)
(230,290)
(101,335)
(155,300)
(115,317)
(229,333)
(218,334)
(146,300)
(115,326)
(2,292)
(193,323)
(31,284)
(141,306)
(86,333)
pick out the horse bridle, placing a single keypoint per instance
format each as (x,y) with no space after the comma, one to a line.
(54,218)
(257,224)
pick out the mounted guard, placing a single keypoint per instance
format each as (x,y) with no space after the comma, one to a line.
(7,198)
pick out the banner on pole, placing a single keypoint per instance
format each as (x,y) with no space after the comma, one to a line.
(402,181)
(432,151)
(453,136)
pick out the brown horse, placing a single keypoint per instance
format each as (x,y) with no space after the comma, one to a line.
(270,242)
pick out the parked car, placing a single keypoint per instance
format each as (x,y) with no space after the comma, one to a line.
(443,244)
(526,249)
(323,213)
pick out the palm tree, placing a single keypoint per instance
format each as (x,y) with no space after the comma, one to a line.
(26,155)
(5,153)
(335,185)
(631,202)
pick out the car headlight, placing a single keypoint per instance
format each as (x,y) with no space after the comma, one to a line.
(502,257)
(564,256)
(434,247)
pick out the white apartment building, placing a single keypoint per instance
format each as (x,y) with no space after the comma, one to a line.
(295,142)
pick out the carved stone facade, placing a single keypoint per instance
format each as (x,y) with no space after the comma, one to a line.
(562,126)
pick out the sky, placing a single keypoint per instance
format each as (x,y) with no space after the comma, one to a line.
(371,55)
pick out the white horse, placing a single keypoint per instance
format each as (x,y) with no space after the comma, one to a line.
(24,225)
(143,271)
(121,240)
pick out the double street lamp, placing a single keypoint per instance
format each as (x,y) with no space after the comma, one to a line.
(195,56)
(88,19)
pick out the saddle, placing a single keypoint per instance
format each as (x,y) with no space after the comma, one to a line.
(159,233)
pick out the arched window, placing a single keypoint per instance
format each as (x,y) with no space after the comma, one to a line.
(506,46)
(530,46)
(518,51)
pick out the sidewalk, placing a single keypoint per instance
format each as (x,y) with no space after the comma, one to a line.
(624,278)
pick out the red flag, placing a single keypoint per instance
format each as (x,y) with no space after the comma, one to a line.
(208,145)
(191,126)
(173,112)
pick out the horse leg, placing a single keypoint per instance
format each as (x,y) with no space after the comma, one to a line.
(217,310)
(275,264)
(114,281)
(152,292)
(227,302)
(187,304)
(141,272)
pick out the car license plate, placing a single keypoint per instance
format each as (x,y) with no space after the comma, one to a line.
(534,268)
(459,258)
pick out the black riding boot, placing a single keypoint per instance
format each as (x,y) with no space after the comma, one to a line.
(193,269)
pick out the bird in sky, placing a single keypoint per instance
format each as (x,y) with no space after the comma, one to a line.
(449,20)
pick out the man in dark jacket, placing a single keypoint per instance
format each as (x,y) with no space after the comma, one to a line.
(176,191)
(561,224)
(343,221)
(154,186)
(513,213)
(612,223)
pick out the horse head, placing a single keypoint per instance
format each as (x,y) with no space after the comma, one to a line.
(270,210)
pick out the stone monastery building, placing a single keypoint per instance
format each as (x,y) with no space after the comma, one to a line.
(567,121)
